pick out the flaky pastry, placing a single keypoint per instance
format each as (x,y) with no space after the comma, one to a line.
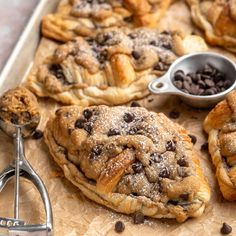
(220,124)
(217,19)
(129,159)
(112,68)
(86,17)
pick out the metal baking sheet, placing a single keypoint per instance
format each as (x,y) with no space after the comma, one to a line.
(21,58)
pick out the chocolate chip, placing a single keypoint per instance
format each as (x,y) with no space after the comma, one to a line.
(95,152)
(133,131)
(193,138)
(137,167)
(164,173)
(88,127)
(14,119)
(174,114)
(156,157)
(170,146)
(138,218)
(174,202)
(153,42)
(209,83)
(159,66)
(184,196)
(179,75)
(182,162)
(128,117)
(57,71)
(136,55)
(113,132)
(178,84)
(119,226)
(207,70)
(37,134)
(204,147)
(226,229)
(167,45)
(80,123)
(135,104)
(87,113)
(128,19)
(182,172)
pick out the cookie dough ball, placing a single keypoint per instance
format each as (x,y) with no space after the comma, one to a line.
(19,106)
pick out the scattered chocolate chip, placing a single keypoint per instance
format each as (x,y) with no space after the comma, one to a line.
(153,42)
(137,167)
(193,138)
(87,113)
(156,157)
(37,134)
(80,123)
(14,119)
(95,152)
(113,132)
(174,202)
(170,146)
(182,162)
(88,127)
(138,218)
(204,146)
(184,196)
(174,114)
(128,117)
(119,226)
(226,229)
(159,66)
(166,45)
(136,55)
(150,100)
(57,71)
(128,19)
(164,173)
(133,131)
(135,104)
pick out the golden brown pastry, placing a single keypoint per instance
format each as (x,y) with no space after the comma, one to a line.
(221,127)
(85,17)
(113,68)
(129,160)
(217,19)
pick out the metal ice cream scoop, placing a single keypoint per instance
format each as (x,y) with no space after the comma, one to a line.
(21,168)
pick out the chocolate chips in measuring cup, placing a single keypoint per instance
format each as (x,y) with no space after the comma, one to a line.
(205,81)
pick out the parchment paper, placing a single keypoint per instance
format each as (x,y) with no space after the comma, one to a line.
(74,214)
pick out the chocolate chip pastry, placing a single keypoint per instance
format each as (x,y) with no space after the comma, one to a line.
(217,19)
(113,68)
(221,127)
(129,159)
(19,106)
(85,17)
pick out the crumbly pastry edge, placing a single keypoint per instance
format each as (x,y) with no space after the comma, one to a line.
(227,187)
(120,202)
(227,42)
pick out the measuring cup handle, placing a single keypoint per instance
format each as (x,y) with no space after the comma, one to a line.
(162,85)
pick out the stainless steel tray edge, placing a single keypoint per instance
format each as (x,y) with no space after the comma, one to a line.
(21,59)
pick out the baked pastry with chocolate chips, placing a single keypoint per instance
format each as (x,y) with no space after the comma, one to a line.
(85,17)
(221,128)
(129,159)
(114,68)
(217,19)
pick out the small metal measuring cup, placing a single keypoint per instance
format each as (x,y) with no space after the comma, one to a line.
(20,167)
(192,63)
